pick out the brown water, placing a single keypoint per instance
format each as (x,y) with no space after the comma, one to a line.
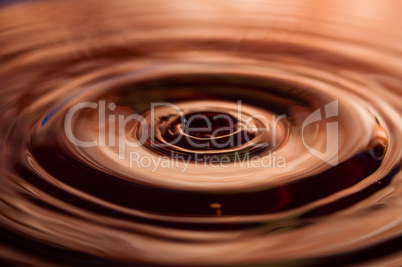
(328,192)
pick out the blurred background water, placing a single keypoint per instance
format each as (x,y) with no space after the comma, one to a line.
(69,205)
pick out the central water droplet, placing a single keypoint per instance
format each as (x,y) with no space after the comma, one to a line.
(209,124)
(207,130)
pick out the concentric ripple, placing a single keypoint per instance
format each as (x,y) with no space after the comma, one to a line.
(201,133)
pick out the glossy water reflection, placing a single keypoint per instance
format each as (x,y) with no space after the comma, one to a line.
(149,191)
